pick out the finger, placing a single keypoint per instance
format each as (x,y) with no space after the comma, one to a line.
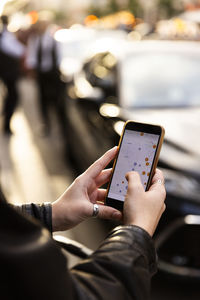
(101,195)
(98,196)
(157,180)
(158,176)
(107,212)
(95,169)
(103,177)
(134,182)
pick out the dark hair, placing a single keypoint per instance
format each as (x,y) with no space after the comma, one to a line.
(4,19)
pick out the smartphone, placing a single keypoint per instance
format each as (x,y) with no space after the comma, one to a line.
(139,149)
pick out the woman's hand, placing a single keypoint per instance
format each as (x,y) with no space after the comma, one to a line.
(141,208)
(76,204)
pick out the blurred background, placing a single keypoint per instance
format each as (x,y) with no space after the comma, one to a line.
(71,74)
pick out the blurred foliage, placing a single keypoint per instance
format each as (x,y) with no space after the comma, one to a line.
(169,8)
(136,8)
(113,6)
(61,17)
(165,8)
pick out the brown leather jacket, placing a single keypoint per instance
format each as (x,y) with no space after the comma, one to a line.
(32,265)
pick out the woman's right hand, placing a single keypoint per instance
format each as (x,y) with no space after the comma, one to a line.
(141,208)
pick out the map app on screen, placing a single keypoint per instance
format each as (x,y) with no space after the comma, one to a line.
(136,153)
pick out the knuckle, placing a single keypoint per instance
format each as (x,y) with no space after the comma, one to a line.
(159,172)
(164,207)
(161,190)
(79,180)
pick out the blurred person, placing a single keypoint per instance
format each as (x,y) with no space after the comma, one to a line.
(11,51)
(43,58)
(34,267)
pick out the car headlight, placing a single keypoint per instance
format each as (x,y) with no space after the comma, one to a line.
(118,127)
(109,110)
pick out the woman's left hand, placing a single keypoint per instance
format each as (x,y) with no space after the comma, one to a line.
(77,202)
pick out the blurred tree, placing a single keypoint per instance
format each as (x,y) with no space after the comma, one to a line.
(169,8)
(96,10)
(136,8)
(113,6)
(163,8)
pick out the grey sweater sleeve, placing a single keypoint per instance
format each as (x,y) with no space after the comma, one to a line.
(41,212)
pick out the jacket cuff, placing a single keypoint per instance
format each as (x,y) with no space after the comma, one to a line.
(137,238)
(41,212)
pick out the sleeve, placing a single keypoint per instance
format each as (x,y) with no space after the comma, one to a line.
(12,46)
(120,269)
(34,265)
(41,212)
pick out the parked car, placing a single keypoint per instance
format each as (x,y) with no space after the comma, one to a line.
(156,82)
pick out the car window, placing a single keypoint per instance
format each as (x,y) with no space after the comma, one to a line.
(160,80)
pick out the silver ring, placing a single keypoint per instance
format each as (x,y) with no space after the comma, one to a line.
(95,210)
(160,181)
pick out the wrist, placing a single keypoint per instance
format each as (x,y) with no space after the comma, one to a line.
(55,217)
(149,229)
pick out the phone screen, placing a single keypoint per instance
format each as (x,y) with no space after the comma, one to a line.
(137,153)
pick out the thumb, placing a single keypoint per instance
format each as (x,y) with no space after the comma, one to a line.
(134,183)
(107,212)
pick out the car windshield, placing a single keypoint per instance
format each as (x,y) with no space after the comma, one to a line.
(160,80)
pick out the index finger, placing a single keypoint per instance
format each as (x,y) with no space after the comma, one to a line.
(95,169)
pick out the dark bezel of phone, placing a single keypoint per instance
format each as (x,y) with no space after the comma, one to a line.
(141,127)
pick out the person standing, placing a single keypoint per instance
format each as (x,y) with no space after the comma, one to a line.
(43,57)
(11,51)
